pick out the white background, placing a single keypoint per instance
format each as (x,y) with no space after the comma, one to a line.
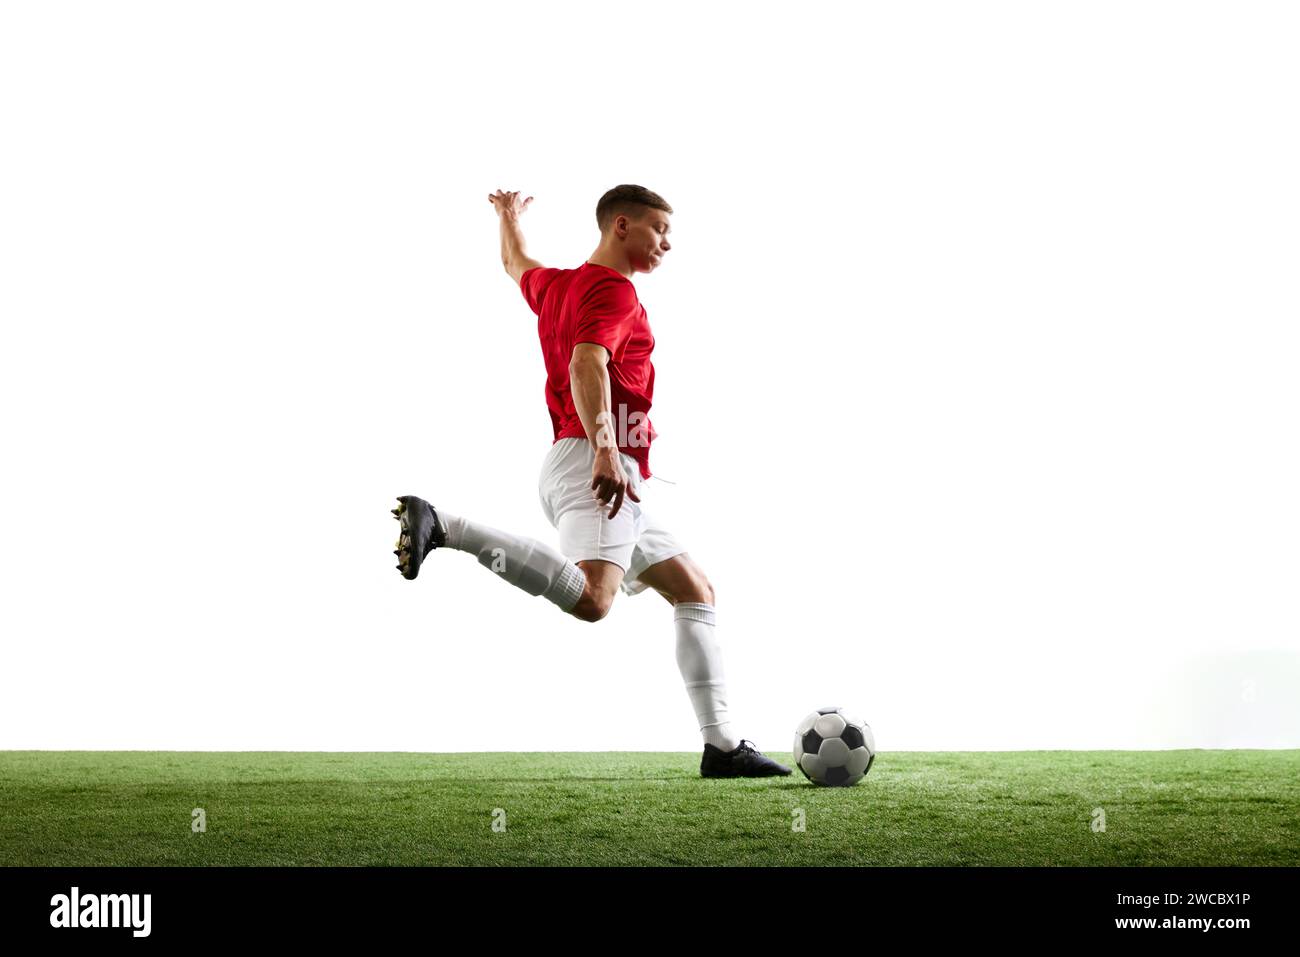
(976,360)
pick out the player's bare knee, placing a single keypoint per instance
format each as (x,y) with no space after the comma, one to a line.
(703,589)
(698,591)
(592,606)
(581,609)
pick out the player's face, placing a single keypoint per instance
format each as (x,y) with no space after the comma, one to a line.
(651,240)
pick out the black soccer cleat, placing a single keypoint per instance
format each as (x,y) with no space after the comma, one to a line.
(744,762)
(422,532)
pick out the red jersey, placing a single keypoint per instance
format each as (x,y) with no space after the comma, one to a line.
(595,304)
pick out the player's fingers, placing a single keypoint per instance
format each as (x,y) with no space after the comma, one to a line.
(618,502)
(631,493)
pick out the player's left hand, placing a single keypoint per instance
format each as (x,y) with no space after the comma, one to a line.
(509,203)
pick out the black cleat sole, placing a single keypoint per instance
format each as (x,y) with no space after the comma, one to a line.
(421,533)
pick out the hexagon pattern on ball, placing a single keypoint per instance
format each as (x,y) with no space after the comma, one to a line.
(833,749)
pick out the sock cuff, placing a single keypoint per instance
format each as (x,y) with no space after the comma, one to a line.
(694,611)
(568,588)
(455,526)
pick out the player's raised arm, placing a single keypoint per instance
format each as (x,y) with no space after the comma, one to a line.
(514,255)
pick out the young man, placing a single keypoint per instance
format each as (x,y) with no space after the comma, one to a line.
(596,341)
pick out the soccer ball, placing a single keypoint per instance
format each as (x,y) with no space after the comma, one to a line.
(834,749)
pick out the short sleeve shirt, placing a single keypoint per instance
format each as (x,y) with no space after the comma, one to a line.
(595,304)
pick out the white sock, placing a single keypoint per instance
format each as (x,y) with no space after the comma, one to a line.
(699,658)
(524,562)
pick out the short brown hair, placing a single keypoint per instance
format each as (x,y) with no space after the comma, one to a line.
(627,200)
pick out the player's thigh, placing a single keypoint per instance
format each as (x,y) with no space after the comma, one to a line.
(679,579)
(603,579)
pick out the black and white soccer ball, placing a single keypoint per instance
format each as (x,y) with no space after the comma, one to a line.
(833,749)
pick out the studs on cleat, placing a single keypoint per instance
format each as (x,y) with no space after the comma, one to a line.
(405,546)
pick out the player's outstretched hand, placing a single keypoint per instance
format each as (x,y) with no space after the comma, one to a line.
(509,203)
(608,483)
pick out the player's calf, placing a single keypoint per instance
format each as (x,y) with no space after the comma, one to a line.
(525,563)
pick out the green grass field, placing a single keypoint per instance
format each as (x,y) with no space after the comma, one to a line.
(1028,808)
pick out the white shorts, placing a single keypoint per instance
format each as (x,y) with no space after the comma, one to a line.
(632,540)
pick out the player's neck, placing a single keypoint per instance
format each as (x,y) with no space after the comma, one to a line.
(596,259)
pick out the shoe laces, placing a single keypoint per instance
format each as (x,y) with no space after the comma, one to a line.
(746,745)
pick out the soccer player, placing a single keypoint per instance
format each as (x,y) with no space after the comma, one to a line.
(596,342)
